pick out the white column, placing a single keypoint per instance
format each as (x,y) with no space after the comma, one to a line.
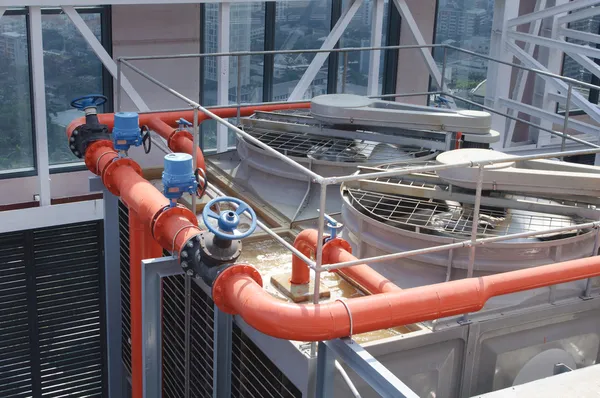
(39,104)
(375,56)
(498,75)
(223,70)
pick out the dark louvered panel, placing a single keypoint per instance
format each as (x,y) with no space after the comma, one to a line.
(254,375)
(68,274)
(173,336)
(15,347)
(201,343)
(125,302)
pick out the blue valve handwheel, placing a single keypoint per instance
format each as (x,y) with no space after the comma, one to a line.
(228,220)
(88,100)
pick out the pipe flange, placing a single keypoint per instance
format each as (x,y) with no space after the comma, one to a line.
(90,164)
(107,175)
(157,223)
(177,133)
(218,291)
(335,242)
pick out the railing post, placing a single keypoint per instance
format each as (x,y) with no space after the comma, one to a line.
(223,328)
(443,78)
(325,373)
(119,72)
(344,72)
(566,119)
(238,91)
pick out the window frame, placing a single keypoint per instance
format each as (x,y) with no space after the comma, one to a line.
(107,85)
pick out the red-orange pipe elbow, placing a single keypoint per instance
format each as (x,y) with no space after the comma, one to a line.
(238,293)
(335,251)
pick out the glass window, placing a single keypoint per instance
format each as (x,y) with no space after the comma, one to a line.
(466,24)
(572,68)
(358,34)
(247,32)
(16,143)
(71,70)
(299,25)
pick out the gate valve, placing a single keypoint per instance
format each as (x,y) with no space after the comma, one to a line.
(85,134)
(228,220)
(127,133)
(178,177)
(333,226)
(183,124)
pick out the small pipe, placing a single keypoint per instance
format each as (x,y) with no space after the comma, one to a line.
(240,294)
(347,379)
(334,251)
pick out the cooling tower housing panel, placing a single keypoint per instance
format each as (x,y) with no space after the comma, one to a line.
(501,350)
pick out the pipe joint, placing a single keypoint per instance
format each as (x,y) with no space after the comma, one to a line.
(176,134)
(159,222)
(93,162)
(333,243)
(109,175)
(221,283)
(203,256)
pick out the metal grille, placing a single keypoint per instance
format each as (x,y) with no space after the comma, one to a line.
(125,303)
(69,305)
(335,149)
(15,348)
(451,219)
(51,312)
(253,374)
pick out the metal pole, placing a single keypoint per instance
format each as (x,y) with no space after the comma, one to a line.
(195,154)
(344,71)
(238,89)
(325,374)
(475,222)
(188,334)
(119,88)
(588,284)
(566,122)
(443,79)
(457,245)
(319,252)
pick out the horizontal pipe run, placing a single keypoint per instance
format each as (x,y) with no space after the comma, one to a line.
(276,52)
(457,245)
(239,294)
(220,119)
(399,172)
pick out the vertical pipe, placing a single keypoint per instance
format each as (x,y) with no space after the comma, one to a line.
(588,284)
(345,71)
(319,253)
(443,78)
(195,153)
(566,119)
(238,91)
(141,246)
(118,85)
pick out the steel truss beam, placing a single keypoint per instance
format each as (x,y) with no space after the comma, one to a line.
(408,18)
(591,109)
(578,15)
(557,44)
(104,57)
(329,43)
(549,12)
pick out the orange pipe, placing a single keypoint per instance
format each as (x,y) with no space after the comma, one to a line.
(141,246)
(336,251)
(237,292)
